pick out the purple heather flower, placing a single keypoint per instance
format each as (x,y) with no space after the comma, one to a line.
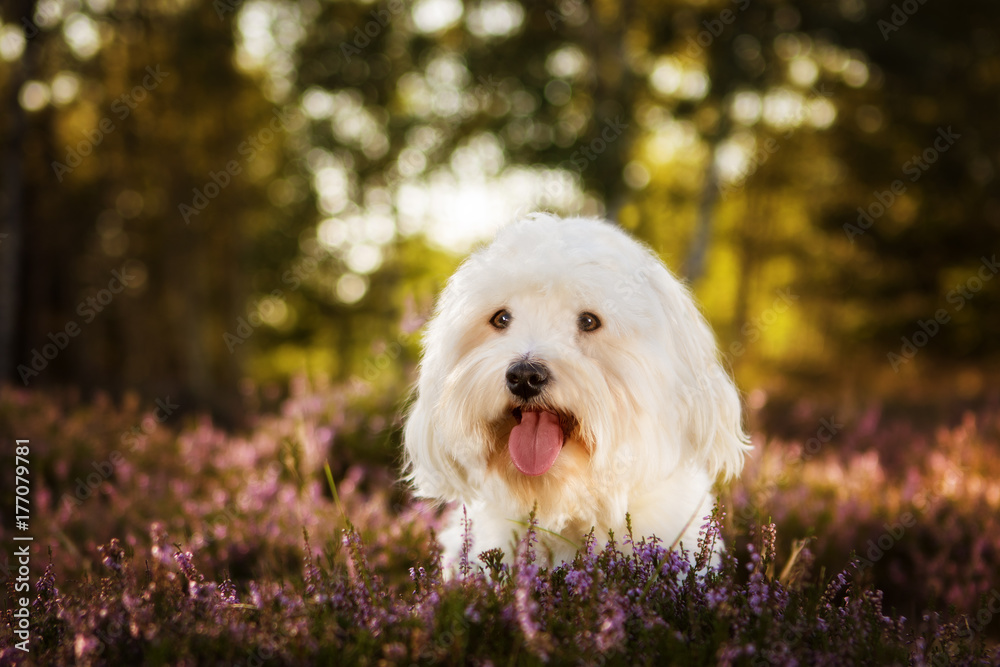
(715,597)
(46,593)
(227,591)
(185,561)
(464,565)
(113,556)
(611,631)
(578,582)
(525,606)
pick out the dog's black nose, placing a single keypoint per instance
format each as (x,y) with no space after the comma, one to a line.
(527,379)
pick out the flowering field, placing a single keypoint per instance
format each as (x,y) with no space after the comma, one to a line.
(162,539)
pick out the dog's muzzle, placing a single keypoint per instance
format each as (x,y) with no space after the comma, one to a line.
(526,379)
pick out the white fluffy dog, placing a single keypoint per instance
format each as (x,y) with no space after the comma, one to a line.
(566,369)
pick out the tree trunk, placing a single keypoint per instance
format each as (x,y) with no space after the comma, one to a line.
(694,267)
(12,198)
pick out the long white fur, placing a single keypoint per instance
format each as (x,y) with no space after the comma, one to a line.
(659,415)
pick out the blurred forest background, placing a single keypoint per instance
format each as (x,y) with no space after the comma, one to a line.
(203,199)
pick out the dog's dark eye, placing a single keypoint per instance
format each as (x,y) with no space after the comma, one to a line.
(501,319)
(588,322)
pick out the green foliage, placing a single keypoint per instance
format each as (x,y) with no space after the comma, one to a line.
(356,148)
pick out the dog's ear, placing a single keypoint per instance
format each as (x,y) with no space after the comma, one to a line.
(711,411)
(429,466)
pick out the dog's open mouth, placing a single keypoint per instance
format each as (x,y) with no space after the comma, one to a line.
(535,441)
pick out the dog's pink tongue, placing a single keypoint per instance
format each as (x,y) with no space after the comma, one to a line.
(535,443)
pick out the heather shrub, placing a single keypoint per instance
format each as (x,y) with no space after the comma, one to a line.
(204,547)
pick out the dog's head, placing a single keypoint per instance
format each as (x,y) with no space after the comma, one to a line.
(565,362)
